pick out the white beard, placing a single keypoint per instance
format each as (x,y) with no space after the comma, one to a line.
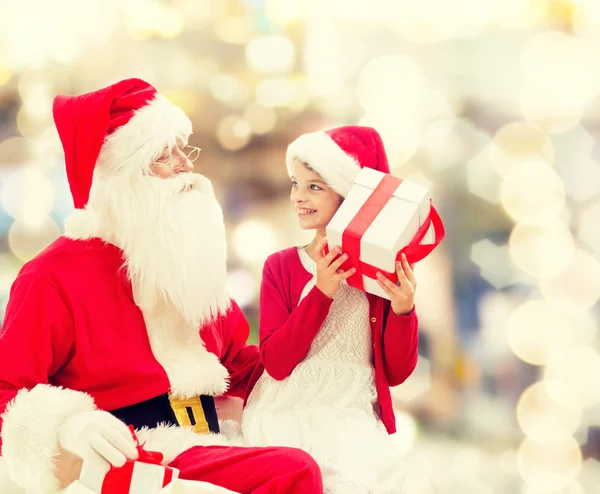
(173,236)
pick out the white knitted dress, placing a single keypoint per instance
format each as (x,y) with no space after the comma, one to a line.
(325,406)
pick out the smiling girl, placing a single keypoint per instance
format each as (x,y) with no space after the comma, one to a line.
(331,352)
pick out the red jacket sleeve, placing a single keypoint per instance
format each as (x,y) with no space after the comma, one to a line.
(400,346)
(36,338)
(239,358)
(286,333)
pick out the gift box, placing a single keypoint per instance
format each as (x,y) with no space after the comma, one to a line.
(146,475)
(382,217)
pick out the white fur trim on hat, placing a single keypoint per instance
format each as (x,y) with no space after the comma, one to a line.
(131,148)
(323,155)
(30,434)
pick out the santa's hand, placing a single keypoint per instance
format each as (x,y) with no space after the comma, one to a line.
(98,437)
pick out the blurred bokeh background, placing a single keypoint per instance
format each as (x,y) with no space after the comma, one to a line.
(492,103)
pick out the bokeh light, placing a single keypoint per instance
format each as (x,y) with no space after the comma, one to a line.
(271,54)
(406,432)
(401,135)
(517,142)
(578,367)
(242,286)
(234,29)
(544,420)
(275,91)
(155,19)
(494,263)
(541,249)
(287,11)
(549,466)
(537,331)
(58,32)
(260,118)
(451,143)
(533,190)
(27,239)
(233,132)
(254,240)
(589,233)
(228,89)
(417,384)
(560,80)
(390,84)
(566,485)
(483,180)
(576,288)
(27,195)
(515,14)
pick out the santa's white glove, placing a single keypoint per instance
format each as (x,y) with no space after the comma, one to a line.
(98,437)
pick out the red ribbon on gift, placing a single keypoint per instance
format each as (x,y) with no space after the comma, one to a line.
(351,238)
(153,457)
(118,480)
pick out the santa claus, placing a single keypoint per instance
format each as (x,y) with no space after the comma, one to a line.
(126,319)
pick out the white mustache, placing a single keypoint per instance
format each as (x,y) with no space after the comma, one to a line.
(185,182)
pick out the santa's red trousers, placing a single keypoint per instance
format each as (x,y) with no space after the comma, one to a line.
(252,470)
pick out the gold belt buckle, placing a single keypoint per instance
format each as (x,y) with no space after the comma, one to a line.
(182,409)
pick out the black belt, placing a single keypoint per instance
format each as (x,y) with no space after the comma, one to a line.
(198,412)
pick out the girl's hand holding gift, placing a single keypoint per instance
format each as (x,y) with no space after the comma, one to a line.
(329,274)
(402,294)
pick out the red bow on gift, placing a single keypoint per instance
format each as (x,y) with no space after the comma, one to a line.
(119,480)
(352,235)
(154,457)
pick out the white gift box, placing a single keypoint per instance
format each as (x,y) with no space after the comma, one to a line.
(380,216)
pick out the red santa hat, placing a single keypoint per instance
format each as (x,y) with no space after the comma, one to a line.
(118,129)
(338,154)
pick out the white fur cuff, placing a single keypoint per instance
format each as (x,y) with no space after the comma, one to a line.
(30,434)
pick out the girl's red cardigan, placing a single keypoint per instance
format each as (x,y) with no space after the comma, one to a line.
(288,329)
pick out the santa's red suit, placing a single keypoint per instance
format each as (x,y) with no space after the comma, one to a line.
(107,317)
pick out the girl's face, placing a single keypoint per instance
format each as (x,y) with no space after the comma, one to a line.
(314,200)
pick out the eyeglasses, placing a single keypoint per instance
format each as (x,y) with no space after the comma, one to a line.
(191,153)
